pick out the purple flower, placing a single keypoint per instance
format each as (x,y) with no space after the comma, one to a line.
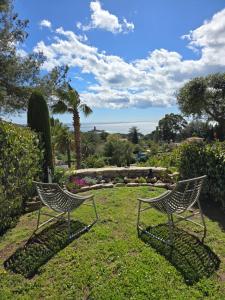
(79,182)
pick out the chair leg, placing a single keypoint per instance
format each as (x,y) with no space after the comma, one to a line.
(68,220)
(172,220)
(38,220)
(203,220)
(171,227)
(96,214)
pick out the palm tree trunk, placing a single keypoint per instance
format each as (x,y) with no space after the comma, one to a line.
(68,155)
(76,126)
(53,154)
(221,129)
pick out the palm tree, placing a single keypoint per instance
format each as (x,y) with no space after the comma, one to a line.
(69,101)
(64,143)
(61,139)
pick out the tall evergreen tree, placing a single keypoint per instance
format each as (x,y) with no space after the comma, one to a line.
(133,135)
(38,120)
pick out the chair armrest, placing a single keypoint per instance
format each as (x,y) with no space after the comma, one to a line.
(77,197)
(155,199)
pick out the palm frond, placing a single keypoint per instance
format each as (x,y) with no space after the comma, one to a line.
(85,109)
(60,107)
(74,98)
(62,94)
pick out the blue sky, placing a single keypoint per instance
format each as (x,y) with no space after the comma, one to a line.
(127,58)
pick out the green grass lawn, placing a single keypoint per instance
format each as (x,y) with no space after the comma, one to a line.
(110,261)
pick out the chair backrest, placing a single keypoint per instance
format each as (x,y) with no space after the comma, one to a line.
(53,196)
(185,194)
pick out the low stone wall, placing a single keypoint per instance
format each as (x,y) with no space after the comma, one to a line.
(113,172)
(111,185)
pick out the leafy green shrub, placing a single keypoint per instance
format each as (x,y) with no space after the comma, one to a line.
(118,151)
(90,181)
(170,160)
(118,180)
(20,161)
(94,162)
(205,159)
(59,175)
(10,208)
(142,180)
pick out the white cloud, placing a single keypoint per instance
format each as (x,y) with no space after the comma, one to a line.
(45,23)
(103,19)
(21,52)
(150,81)
(210,39)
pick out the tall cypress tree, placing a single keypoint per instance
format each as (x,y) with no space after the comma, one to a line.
(38,120)
(133,135)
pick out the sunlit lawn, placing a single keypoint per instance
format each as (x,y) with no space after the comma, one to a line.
(110,261)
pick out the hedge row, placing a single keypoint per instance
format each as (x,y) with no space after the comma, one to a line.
(205,159)
(20,163)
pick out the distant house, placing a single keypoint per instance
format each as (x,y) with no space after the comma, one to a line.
(194,139)
(96,130)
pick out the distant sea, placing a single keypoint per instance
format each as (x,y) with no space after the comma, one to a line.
(118,127)
(144,127)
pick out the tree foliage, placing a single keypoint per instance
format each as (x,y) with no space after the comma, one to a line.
(205,97)
(119,151)
(16,71)
(20,71)
(61,139)
(38,120)
(133,135)
(170,127)
(200,129)
(90,143)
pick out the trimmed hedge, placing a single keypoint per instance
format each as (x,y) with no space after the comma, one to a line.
(38,120)
(20,161)
(205,159)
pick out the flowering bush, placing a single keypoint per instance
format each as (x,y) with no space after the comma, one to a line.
(75,183)
(79,182)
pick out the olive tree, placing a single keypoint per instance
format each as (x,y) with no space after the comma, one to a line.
(205,97)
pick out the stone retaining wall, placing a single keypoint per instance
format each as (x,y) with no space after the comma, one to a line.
(113,172)
(111,185)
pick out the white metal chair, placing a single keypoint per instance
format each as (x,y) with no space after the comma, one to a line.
(181,199)
(61,201)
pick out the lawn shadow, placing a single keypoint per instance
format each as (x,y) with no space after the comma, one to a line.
(188,255)
(215,212)
(41,247)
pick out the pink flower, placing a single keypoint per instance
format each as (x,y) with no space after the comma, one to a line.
(79,181)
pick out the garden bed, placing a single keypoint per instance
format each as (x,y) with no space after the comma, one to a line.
(93,179)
